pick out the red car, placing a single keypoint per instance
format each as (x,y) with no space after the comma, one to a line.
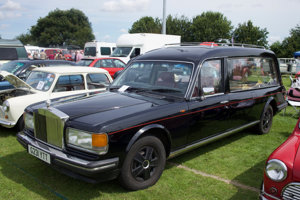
(282,172)
(112,65)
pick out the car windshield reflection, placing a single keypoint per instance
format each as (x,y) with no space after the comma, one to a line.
(161,77)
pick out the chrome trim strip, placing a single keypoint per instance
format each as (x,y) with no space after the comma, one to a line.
(100,168)
(203,142)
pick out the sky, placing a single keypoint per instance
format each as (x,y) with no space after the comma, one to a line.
(111,18)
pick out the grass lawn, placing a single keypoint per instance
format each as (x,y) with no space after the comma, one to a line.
(240,158)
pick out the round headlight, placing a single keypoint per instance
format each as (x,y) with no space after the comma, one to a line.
(276,170)
(5,106)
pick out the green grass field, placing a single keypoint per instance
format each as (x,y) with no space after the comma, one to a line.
(239,158)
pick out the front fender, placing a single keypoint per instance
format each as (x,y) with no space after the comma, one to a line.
(145,130)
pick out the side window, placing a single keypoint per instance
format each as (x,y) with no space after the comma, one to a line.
(135,52)
(251,73)
(105,51)
(69,83)
(95,81)
(118,64)
(211,77)
(98,64)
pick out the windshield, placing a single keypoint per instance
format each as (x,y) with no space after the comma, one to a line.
(90,51)
(40,80)
(12,67)
(84,62)
(170,78)
(121,52)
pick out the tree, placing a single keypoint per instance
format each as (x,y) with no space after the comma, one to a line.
(70,27)
(289,45)
(146,25)
(247,33)
(179,26)
(26,39)
(210,26)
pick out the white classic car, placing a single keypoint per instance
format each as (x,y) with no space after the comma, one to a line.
(45,84)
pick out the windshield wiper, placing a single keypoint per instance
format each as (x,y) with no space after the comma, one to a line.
(167,90)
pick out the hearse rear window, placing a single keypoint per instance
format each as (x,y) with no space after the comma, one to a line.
(251,73)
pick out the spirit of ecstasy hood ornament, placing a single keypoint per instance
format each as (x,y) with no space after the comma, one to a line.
(48,103)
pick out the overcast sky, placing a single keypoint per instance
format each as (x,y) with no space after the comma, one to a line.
(111,18)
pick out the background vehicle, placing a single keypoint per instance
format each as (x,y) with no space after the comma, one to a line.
(44,84)
(112,65)
(22,68)
(98,49)
(11,50)
(282,171)
(132,45)
(51,53)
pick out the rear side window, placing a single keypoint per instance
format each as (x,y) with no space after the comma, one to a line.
(105,51)
(118,63)
(90,51)
(251,73)
(95,81)
(69,83)
(21,52)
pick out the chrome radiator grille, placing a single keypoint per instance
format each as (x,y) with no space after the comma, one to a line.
(49,126)
(291,192)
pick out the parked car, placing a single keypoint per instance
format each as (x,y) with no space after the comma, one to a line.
(164,103)
(282,171)
(22,68)
(45,84)
(112,65)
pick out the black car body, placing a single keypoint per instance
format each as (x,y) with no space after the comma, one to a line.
(164,103)
(22,68)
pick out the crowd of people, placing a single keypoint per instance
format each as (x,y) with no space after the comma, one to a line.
(60,55)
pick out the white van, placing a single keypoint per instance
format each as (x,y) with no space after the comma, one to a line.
(98,49)
(131,45)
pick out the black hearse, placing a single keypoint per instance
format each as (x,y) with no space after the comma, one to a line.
(164,103)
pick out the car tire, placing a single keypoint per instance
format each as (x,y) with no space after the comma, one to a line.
(266,120)
(20,124)
(143,164)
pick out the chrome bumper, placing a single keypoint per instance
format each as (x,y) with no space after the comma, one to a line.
(7,124)
(77,165)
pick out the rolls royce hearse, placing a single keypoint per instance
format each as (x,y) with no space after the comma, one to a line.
(164,103)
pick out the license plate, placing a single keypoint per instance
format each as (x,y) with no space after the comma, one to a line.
(39,154)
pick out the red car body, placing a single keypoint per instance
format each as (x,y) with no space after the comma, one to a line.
(112,65)
(288,154)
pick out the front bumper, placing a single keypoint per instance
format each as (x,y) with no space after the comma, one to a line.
(6,123)
(90,171)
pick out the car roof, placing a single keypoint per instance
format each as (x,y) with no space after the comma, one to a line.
(198,53)
(71,69)
(43,61)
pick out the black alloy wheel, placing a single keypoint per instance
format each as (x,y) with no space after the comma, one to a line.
(143,164)
(266,120)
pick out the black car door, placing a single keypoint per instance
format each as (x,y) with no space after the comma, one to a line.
(209,104)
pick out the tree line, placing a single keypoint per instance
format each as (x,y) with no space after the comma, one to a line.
(72,27)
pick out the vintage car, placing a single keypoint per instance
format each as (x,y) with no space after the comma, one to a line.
(22,68)
(112,65)
(282,171)
(164,103)
(45,84)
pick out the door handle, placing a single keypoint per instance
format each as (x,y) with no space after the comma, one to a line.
(224,102)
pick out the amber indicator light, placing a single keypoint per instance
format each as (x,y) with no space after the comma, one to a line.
(99,140)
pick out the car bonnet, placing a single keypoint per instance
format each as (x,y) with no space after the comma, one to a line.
(15,81)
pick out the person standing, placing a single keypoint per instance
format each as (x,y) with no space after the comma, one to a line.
(43,55)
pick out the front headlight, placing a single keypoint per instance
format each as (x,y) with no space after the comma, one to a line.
(28,120)
(6,106)
(276,170)
(86,141)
